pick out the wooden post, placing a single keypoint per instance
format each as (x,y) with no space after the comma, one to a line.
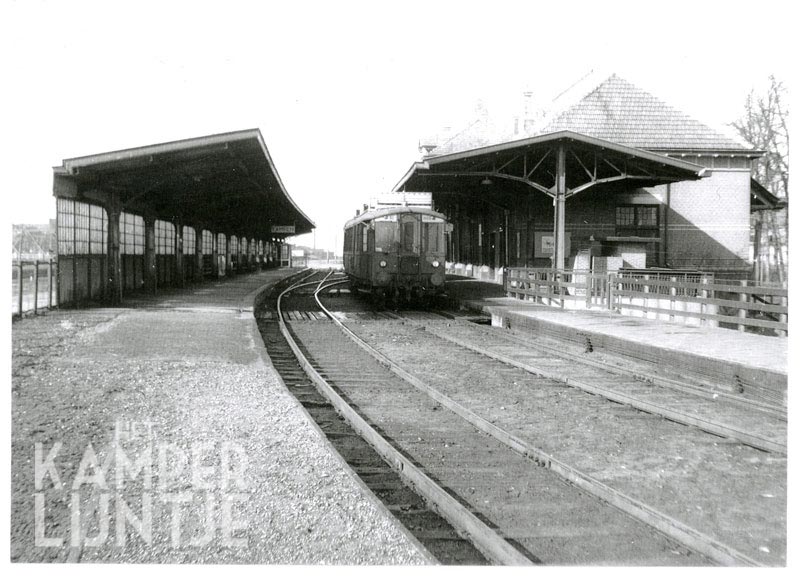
(21,284)
(742,314)
(784,303)
(703,295)
(50,284)
(673,292)
(36,287)
(588,289)
(645,290)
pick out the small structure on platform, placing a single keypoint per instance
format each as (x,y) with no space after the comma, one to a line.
(169,214)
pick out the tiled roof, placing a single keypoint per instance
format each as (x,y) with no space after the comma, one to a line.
(616,111)
(620,112)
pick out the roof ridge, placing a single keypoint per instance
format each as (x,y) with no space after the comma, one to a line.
(618,110)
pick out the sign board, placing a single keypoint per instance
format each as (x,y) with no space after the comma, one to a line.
(424,199)
(298,252)
(545,244)
(282,229)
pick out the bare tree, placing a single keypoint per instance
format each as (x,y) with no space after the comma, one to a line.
(764,125)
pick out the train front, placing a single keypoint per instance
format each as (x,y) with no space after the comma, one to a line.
(410,250)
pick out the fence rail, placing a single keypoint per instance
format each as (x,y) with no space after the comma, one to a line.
(689,297)
(34,286)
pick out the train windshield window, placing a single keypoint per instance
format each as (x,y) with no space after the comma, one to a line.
(385,236)
(432,236)
(408,236)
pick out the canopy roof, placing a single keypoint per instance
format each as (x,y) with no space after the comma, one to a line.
(590,162)
(763,199)
(223,182)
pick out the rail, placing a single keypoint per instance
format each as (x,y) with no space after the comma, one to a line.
(34,286)
(689,297)
(486,539)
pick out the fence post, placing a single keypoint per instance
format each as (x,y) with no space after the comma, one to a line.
(21,286)
(673,291)
(742,314)
(703,295)
(36,287)
(645,290)
(609,282)
(589,289)
(50,284)
(783,316)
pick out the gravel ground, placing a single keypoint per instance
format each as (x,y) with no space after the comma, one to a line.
(232,471)
(728,490)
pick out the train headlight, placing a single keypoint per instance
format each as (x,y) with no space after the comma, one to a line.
(382,263)
(435,264)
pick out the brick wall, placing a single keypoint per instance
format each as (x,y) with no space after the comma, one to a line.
(708,223)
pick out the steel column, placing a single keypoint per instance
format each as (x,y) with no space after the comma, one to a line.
(113,210)
(558,203)
(150,273)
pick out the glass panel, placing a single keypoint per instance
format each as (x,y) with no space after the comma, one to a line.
(408,236)
(131,227)
(165,237)
(189,243)
(208,242)
(432,236)
(648,216)
(66,226)
(625,215)
(386,236)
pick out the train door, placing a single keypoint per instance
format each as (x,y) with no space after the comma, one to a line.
(408,261)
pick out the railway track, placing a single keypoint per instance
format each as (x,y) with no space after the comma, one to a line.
(522,497)
(708,492)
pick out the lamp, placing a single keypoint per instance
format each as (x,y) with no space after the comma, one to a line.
(486,181)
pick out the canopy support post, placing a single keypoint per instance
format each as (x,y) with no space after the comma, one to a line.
(559,203)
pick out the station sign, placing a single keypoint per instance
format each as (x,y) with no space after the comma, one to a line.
(282,229)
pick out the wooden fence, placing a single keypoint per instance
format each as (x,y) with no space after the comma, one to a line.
(33,286)
(689,297)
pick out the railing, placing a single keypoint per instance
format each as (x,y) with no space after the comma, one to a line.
(688,297)
(559,288)
(34,286)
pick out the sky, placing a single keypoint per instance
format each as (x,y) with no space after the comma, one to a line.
(343,91)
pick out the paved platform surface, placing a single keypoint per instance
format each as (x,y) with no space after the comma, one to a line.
(716,355)
(165,435)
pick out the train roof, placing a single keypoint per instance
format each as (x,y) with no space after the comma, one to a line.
(374,213)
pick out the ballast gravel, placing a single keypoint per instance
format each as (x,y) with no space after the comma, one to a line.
(214,461)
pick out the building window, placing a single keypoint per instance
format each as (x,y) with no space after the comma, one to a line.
(131,232)
(637,220)
(234,245)
(189,242)
(82,227)
(221,244)
(165,237)
(207,242)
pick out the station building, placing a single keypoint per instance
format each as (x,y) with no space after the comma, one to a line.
(170,214)
(609,177)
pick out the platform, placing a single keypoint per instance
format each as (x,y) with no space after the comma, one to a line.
(185,371)
(729,359)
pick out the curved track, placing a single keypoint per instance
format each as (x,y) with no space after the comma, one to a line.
(517,503)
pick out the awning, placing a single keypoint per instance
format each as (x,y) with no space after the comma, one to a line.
(763,199)
(224,182)
(588,163)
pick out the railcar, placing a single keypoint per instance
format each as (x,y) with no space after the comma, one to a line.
(396,253)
